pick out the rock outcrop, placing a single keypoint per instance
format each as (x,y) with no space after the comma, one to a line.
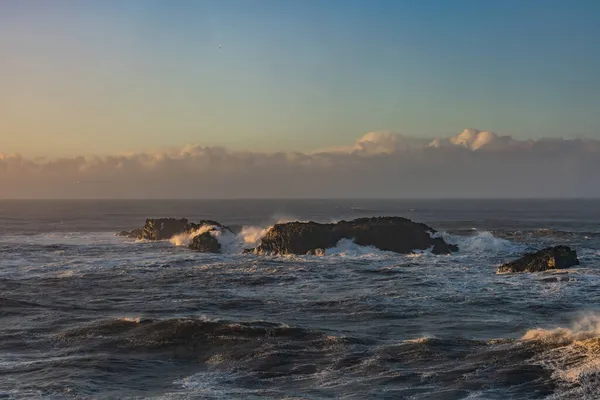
(163,228)
(132,234)
(395,234)
(556,257)
(166,228)
(205,243)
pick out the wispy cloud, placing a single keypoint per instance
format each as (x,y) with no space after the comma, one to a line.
(379,164)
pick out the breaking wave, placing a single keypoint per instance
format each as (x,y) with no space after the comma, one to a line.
(482,242)
(573,356)
(262,351)
(251,235)
(231,243)
(347,248)
(184,239)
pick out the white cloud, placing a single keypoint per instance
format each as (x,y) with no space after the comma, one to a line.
(379,142)
(379,164)
(474,139)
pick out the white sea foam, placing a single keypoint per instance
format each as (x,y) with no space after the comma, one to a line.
(347,248)
(573,354)
(587,327)
(482,242)
(184,239)
(231,243)
(136,320)
(422,339)
(251,235)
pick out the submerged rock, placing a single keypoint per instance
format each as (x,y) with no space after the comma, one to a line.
(205,243)
(556,257)
(395,234)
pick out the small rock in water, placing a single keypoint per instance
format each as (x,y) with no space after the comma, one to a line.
(556,257)
(205,243)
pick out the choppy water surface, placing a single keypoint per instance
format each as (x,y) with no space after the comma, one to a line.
(85,314)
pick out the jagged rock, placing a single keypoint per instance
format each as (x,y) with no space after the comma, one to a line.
(556,257)
(193,226)
(395,234)
(163,228)
(133,234)
(205,243)
(166,228)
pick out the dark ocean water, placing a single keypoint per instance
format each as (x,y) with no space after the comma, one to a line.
(86,314)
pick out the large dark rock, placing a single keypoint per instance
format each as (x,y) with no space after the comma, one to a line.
(395,234)
(166,228)
(205,243)
(556,257)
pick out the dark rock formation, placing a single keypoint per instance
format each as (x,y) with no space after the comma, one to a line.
(163,228)
(192,226)
(556,257)
(395,234)
(205,243)
(166,228)
(133,234)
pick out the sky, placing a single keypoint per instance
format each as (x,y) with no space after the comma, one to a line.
(98,80)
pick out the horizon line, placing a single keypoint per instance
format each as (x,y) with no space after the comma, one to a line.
(311,199)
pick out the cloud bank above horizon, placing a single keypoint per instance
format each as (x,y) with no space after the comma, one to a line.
(380,164)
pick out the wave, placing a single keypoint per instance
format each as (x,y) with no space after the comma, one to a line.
(557,233)
(231,242)
(547,234)
(251,235)
(482,242)
(557,362)
(201,339)
(184,239)
(347,248)
(572,354)
(485,242)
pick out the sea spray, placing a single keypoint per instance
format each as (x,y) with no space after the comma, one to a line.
(481,242)
(347,248)
(251,235)
(184,239)
(572,354)
(587,327)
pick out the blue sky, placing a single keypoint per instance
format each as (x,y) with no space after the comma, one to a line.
(82,77)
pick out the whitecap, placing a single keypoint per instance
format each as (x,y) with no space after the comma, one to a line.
(482,242)
(573,356)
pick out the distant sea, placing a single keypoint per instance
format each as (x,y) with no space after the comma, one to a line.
(85,314)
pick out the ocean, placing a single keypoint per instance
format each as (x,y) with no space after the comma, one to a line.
(85,314)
